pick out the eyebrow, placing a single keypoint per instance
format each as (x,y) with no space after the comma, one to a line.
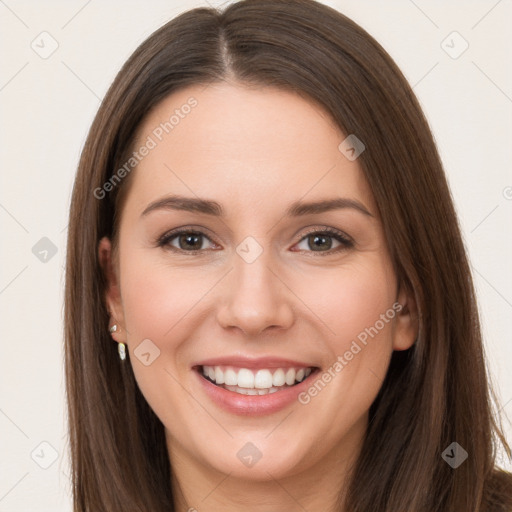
(296,209)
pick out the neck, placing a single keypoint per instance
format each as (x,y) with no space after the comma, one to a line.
(198,487)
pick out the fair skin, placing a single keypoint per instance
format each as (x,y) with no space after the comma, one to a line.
(254,150)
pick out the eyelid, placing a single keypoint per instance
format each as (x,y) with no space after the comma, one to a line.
(329,230)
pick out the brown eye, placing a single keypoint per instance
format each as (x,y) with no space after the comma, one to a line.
(190,241)
(184,240)
(319,242)
(325,241)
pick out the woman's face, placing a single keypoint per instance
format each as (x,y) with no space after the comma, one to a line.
(254,292)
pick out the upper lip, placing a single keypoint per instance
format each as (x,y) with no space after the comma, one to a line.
(248,362)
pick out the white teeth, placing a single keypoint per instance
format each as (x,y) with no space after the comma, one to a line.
(290,377)
(245,378)
(230,377)
(255,382)
(236,389)
(278,378)
(219,376)
(245,391)
(263,379)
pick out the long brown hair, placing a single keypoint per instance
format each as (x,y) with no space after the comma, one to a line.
(434,394)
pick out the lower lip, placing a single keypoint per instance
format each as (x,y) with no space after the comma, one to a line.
(253,405)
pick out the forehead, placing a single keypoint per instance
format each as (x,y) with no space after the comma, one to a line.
(251,147)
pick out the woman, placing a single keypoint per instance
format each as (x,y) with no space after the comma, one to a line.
(261,222)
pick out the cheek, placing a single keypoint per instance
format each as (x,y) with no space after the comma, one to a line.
(356,303)
(158,305)
(350,299)
(156,298)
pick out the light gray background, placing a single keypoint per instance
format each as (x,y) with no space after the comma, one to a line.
(47,106)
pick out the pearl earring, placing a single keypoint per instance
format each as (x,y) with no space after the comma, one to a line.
(121,347)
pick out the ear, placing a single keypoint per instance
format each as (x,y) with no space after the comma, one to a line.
(112,293)
(407,323)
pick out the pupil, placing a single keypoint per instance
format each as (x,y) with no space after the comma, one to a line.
(321,241)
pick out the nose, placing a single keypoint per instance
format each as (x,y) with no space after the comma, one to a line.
(255,298)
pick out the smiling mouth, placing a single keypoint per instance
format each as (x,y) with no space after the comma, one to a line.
(262,381)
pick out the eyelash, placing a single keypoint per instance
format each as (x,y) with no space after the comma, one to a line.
(345,241)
